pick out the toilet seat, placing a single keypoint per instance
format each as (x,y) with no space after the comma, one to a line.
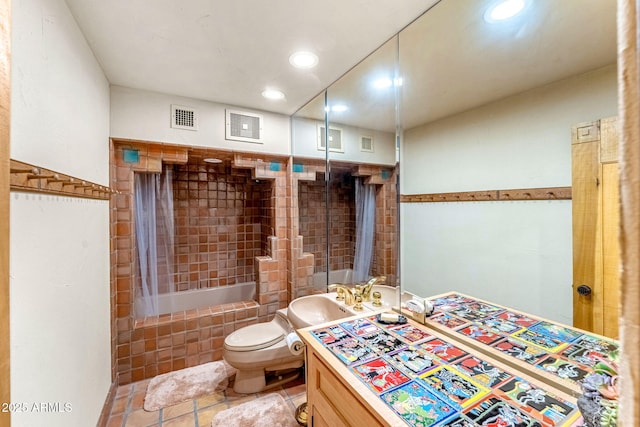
(254,337)
(261,355)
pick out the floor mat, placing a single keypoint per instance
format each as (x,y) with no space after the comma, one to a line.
(189,383)
(270,410)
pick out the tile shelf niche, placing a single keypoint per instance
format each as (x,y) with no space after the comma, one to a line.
(27,177)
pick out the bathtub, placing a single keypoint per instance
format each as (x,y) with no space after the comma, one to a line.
(336,276)
(200,298)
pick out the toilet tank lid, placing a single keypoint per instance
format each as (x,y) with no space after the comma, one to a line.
(254,337)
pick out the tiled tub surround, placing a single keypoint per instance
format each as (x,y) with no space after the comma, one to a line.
(307,228)
(143,348)
(201,298)
(312,222)
(266,246)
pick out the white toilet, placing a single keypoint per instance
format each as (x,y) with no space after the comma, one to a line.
(262,356)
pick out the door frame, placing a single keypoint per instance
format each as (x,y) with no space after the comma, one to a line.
(629,93)
(5,123)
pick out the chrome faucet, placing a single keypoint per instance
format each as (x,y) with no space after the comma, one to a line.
(344,290)
(366,289)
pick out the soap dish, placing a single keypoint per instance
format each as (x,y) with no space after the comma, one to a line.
(401,321)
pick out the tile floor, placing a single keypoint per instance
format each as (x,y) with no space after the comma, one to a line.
(127,407)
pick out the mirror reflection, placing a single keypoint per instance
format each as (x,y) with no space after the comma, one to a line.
(483,104)
(490,105)
(351,129)
(309,226)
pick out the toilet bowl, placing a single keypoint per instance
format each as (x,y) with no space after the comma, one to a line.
(261,355)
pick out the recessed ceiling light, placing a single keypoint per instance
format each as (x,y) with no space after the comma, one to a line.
(304,60)
(385,82)
(212,160)
(503,10)
(382,83)
(340,108)
(272,94)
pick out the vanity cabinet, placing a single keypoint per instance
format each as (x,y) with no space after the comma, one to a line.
(335,398)
(333,402)
(452,368)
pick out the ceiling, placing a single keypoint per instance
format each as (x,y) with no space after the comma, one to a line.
(451,60)
(481,62)
(229,51)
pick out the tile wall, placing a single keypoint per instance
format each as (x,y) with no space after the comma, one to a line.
(143,348)
(385,255)
(306,202)
(342,220)
(312,223)
(222,222)
(312,220)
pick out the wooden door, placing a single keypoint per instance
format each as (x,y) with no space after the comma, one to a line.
(595,201)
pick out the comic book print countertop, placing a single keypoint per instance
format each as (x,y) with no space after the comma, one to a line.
(547,350)
(472,364)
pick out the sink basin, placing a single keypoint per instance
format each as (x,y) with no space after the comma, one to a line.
(316,309)
(313,310)
(389,297)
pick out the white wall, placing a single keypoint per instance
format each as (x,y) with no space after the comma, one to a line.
(59,259)
(143,115)
(305,143)
(514,253)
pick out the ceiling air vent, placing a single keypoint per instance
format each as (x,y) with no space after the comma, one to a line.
(366,143)
(243,126)
(183,118)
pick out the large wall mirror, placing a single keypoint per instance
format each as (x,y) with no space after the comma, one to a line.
(489,105)
(474,104)
(344,141)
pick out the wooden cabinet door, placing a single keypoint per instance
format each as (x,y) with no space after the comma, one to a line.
(595,211)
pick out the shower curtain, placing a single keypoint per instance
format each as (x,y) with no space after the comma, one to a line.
(154,229)
(365,229)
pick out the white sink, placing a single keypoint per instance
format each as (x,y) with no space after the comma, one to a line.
(313,310)
(389,297)
(316,309)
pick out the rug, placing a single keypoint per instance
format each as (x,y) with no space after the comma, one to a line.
(270,410)
(186,384)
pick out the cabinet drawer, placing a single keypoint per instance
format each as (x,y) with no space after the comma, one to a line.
(333,400)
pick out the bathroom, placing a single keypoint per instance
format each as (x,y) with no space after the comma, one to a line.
(61,230)
(230,225)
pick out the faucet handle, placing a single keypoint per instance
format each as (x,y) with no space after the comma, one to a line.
(377,297)
(358,304)
(340,294)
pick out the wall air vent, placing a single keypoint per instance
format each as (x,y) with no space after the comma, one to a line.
(243,126)
(366,143)
(335,139)
(183,117)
